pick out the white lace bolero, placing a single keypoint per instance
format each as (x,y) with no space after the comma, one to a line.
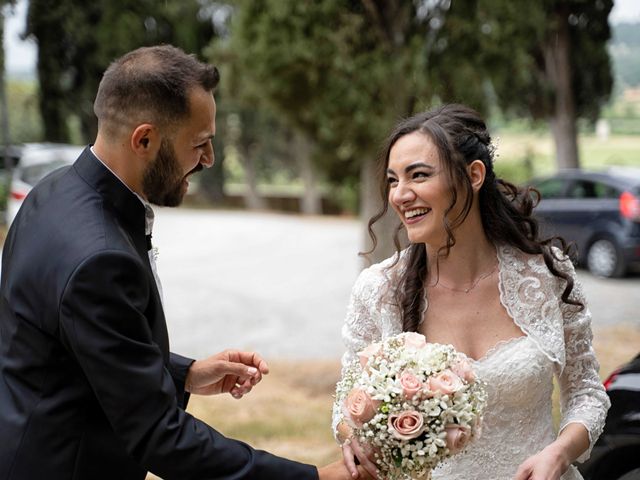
(531,295)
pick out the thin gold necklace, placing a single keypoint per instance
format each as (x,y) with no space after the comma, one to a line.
(473,285)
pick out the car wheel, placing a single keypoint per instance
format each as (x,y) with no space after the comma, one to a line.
(604,258)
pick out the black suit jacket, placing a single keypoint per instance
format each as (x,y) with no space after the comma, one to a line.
(88,388)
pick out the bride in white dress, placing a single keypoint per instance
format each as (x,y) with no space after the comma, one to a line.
(477,276)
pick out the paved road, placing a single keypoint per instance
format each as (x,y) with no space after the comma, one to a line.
(280,284)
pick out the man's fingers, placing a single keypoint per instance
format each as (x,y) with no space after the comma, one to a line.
(242,388)
(236,369)
(251,359)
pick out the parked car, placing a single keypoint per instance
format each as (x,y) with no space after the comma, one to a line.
(615,456)
(599,211)
(8,158)
(36,160)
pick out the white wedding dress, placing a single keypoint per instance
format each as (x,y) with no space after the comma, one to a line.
(517,422)
(519,373)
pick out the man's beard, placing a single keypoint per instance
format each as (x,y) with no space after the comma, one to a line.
(163,181)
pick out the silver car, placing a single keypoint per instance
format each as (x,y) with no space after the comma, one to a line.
(35,162)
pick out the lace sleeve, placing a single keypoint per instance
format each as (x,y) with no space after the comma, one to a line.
(583,397)
(361,326)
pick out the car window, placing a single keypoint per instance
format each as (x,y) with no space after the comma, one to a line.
(590,189)
(603,190)
(34,173)
(551,188)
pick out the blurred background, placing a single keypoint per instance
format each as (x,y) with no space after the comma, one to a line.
(264,252)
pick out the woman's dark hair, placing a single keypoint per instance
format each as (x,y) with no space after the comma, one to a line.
(150,84)
(460,136)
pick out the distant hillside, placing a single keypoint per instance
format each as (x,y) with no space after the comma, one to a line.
(625,54)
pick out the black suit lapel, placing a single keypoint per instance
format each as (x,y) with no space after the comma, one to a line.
(128,207)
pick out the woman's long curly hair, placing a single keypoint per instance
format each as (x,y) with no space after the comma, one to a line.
(460,136)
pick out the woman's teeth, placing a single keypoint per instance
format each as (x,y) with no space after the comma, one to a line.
(416,212)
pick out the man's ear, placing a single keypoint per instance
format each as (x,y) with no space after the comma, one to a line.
(477,172)
(145,140)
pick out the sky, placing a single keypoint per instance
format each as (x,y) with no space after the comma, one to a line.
(21,54)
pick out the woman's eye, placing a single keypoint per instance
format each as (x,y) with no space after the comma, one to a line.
(421,175)
(391,180)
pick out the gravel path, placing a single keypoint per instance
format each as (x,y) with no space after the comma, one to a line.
(280,284)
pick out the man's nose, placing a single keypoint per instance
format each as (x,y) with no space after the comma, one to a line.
(208,158)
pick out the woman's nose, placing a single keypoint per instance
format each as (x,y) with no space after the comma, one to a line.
(402,193)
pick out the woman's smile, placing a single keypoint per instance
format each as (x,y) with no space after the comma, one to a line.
(415,215)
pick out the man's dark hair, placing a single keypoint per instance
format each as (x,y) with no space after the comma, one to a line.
(150,85)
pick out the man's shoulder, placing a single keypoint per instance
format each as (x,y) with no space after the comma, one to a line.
(63,223)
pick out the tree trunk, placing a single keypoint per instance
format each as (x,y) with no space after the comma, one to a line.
(563,120)
(52,95)
(311,201)
(4,109)
(370,204)
(252,198)
(4,125)
(212,179)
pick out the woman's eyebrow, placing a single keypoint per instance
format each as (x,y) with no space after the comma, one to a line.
(411,167)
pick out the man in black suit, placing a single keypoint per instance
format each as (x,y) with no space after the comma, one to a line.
(88,387)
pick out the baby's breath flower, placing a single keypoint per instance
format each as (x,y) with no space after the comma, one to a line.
(408,450)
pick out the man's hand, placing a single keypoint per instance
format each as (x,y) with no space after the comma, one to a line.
(338,471)
(230,371)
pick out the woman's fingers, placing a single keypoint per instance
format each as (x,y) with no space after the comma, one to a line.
(365,461)
(349,460)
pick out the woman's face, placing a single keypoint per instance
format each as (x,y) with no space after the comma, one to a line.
(418,188)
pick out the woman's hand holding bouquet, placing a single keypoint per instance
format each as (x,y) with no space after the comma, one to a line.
(407,405)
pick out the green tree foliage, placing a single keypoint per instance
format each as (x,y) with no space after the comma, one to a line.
(22,100)
(551,62)
(77,40)
(625,52)
(344,72)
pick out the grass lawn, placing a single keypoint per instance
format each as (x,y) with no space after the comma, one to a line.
(521,155)
(290,412)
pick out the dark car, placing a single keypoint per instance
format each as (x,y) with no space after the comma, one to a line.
(599,211)
(616,454)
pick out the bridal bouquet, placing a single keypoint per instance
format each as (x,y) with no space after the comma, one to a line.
(411,403)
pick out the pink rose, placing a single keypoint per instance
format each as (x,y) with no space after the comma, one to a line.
(414,340)
(446,382)
(464,370)
(406,425)
(359,407)
(457,437)
(369,352)
(411,385)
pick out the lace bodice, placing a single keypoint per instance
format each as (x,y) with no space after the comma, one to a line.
(519,373)
(517,422)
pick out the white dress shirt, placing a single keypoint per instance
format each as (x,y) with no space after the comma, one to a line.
(149,217)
